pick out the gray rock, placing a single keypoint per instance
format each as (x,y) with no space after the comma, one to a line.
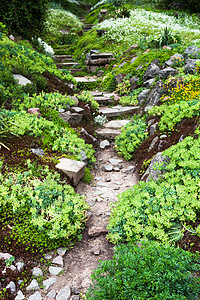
(64,294)
(104,144)
(181,138)
(107,168)
(19,296)
(54,271)
(130,169)
(167,72)
(51,294)
(75,170)
(37,151)
(191,66)
(77,109)
(155,95)
(61,110)
(108,133)
(36,296)
(116,169)
(108,178)
(6,256)
(12,268)
(33,285)
(153,128)
(122,64)
(142,96)
(49,282)
(133,59)
(153,143)
(103,184)
(20,281)
(96,231)
(19,265)
(174,59)
(147,84)
(163,136)
(96,251)
(134,83)
(158,160)
(83,157)
(48,256)
(151,71)
(115,161)
(191,52)
(37,272)
(21,79)
(116,124)
(12,287)
(71,118)
(119,77)
(118,110)
(75,291)
(62,251)
(58,261)
(83,131)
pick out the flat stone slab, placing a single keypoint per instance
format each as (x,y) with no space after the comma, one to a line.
(116,124)
(108,133)
(101,55)
(54,271)
(96,94)
(67,65)
(36,296)
(85,79)
(21,79)
(64,293)
(75,170)
(103,99)
(118,110)
(49,282)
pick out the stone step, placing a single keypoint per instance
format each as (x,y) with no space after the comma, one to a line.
(116,124)
(108,133)
(67,65)
(103,99)
(86,79)
(99,62)
(101,55)
(61,58)
(96,94)
(74,71)
(118,110)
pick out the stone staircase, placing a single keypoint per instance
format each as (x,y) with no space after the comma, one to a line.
(112,128)
(66,62)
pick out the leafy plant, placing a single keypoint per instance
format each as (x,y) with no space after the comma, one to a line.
(131,137)
(147,270)
(85,96)
(100,120)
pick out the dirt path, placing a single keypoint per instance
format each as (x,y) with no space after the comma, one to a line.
(84,257)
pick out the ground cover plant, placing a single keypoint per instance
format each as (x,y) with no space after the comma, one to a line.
(147,270)
(181,102)
(161,209)
(58,138)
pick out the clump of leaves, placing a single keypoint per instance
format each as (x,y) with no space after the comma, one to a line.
(146,271)
(131,138)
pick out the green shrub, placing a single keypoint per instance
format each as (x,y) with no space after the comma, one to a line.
(85,96)
(109,83)
(25,18)
(58,138)
(51,209)
(87,178)
(131,138)
(161,209)
(146,271)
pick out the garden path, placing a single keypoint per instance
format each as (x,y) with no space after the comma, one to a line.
(84,257)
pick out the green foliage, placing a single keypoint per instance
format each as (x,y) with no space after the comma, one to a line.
(52,209)
(85,96)
(124,87)
(25,18)
(87,178)
(109,83)
(132,98)
(182,102)
(146,271)
(167,37)
(91,85)
(62,139)
(157,210)
(131,138)
(45,100)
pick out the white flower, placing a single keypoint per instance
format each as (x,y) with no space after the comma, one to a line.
(47,48)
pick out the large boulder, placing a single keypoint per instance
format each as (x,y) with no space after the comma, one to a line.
(134,83)
(191,52)
(151,172)
(155,94)
(142,96)
(166,72)
(174,59)
(191,66)
(151,71)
